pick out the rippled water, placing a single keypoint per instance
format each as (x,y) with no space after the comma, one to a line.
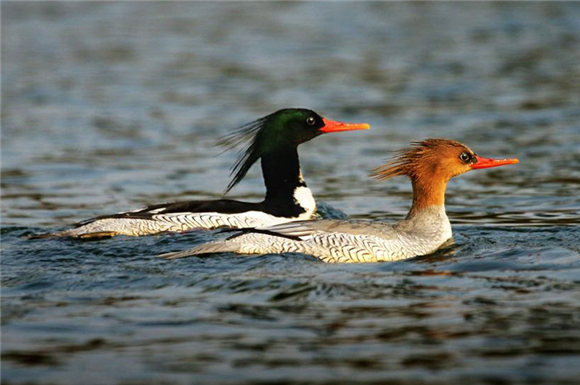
(109,106)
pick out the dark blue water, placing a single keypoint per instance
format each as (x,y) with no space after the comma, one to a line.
(110,106)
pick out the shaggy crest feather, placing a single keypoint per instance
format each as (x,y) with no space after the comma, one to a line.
(406,161)
(248,133)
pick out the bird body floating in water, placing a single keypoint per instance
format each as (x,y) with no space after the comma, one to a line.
(430,164)
(274,140)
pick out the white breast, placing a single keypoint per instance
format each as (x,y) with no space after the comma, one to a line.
(303,196)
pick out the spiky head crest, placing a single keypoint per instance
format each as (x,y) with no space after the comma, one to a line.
(286,128)
(429,158)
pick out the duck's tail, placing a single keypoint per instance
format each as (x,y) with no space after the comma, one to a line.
(74,233)
(227,246)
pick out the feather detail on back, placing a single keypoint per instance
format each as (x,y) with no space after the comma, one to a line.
(206,248)
(310,227)
(245,135)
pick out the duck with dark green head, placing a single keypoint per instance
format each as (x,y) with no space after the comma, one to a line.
(274,140)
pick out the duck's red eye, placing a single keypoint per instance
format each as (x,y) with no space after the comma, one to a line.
(310,121)
(465,157)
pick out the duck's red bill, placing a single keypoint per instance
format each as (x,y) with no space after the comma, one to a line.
(335,126)
(489,162)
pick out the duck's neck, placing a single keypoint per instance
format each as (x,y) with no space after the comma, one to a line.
(427,193)
(427,218)
(282,175)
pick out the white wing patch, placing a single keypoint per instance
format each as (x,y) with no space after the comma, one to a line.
(156,211)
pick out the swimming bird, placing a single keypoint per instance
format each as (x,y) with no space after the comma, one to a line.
(430,164)
(274,140)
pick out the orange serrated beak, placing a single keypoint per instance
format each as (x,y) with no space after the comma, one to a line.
(489,162)
(335,126)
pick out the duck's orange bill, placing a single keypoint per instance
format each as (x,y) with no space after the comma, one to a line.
(335,126)
(488,162)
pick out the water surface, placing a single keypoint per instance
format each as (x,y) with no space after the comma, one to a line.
(110,106)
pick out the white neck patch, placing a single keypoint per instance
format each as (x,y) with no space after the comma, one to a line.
(303,196)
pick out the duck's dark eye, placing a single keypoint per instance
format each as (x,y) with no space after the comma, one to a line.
(465,157)
(310,121)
